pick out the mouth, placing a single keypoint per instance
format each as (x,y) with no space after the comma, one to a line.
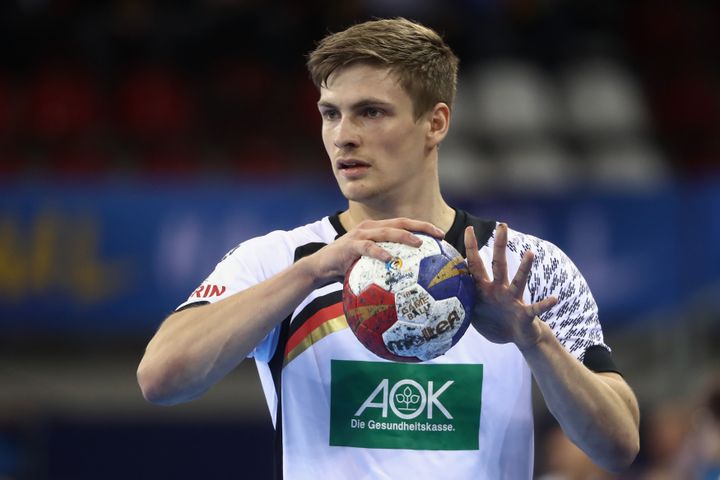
(351,168)
(351,164)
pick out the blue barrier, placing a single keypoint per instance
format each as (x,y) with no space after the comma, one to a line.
(118,257)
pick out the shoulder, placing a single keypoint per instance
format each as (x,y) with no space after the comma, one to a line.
(281,244)
(551,262)
(552,271)
(520,242)
(574,319)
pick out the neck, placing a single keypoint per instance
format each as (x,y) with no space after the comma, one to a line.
(418,198)
(437,212)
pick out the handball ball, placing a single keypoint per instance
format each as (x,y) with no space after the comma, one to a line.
(414,307)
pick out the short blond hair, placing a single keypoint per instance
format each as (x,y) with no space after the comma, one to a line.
(424,64)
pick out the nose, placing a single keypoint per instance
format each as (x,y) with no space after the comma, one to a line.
(347,134)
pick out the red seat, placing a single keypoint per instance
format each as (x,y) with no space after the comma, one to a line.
(64,102)
(154,103)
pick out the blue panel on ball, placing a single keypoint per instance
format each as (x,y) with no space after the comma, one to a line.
(445,289)
(446,276)
(467,295)
(467,292)
(441,275)
(448,250)
(429,268)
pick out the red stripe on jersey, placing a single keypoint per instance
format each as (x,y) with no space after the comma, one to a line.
(320,317)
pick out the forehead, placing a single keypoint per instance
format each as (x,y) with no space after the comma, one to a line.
(360,81)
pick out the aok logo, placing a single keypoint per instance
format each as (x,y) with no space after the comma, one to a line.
(407,399)
(405,405)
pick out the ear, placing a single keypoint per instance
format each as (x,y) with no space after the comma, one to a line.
(439,122)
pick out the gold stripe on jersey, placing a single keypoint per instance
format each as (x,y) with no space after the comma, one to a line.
(324,329)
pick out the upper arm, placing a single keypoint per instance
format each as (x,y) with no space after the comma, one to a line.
(618,384)
(245,266)
(574,319)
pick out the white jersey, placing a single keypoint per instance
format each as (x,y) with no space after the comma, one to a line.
(341,412)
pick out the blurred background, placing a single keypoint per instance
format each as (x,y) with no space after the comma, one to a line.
(140,140)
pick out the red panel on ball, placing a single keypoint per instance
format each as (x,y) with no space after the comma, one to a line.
(368,315)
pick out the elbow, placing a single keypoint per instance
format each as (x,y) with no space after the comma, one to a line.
(623,455)
(156,385)
(151,386)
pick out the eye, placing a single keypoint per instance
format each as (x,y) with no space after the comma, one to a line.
(373,112)
(329,114)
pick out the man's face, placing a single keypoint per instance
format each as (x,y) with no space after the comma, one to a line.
(377,148)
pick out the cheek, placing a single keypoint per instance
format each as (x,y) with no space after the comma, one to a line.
(326,138)
(403,142)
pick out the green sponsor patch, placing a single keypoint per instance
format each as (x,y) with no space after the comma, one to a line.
(410,406)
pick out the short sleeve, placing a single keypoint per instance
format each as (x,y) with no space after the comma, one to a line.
(574,319)
(244,266)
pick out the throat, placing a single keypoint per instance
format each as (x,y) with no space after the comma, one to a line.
(442,215)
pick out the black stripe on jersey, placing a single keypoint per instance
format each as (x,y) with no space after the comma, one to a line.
(192,305)
(276,363)
(335,222)
(307,249)
(599,359)
(312,308)
(456,235)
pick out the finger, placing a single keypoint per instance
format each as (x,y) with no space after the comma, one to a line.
(413,225)
(396,235)
(475,263)
(538,308)
(499,262)
(372,249)
(517,287)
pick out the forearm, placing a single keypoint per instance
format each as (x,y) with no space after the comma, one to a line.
(598,412)
(196,347)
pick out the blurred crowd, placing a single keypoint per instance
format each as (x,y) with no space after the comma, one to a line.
(200,87)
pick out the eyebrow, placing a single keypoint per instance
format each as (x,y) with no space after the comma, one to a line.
(365,102)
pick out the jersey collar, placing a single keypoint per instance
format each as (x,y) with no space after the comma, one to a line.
(454,236)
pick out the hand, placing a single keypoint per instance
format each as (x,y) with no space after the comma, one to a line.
(501,315)
(332,261)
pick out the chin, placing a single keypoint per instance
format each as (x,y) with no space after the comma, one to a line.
(359,193)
